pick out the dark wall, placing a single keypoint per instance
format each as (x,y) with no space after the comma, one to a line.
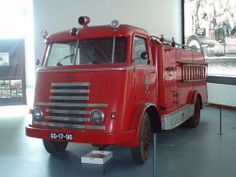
(12,73)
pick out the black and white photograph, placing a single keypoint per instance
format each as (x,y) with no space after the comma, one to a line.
(210,25)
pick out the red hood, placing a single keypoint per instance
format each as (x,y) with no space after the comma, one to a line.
(81,89)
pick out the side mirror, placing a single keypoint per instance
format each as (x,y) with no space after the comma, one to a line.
(144,55)
(37,62)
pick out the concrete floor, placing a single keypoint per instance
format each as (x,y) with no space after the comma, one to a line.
(199,152)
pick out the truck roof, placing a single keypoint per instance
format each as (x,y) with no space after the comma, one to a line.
(95,32)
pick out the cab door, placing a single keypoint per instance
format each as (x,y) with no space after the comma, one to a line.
(144,71)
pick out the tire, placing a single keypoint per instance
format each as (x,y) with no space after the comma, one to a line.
(54,147)
(194,42)
(141,153)
(195,119)
(100,146)
(219,50)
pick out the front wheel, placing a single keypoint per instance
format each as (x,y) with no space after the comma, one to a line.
(54,147)
(141,153)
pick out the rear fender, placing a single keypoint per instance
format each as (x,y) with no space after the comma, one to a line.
(192,96)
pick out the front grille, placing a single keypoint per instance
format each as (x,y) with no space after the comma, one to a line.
(69,106)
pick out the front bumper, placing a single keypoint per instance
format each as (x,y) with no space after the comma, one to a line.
(125,138)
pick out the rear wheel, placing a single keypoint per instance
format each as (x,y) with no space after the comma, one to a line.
(195,119)
(141,153)
(54,147)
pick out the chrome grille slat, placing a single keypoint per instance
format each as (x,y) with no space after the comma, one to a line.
(78,84)
(70,91)
(74,119)
(68,106)
(59,111)
(64,125)
(79,98)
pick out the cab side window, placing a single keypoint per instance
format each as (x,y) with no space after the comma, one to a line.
(139,47)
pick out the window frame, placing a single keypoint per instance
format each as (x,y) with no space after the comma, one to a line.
(145,38)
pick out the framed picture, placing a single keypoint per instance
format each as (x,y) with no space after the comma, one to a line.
(211,26)
(12,72)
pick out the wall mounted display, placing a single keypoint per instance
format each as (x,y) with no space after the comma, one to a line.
(12,72)
(11,89)
(211,26)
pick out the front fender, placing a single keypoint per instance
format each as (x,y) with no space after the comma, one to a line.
(137,123)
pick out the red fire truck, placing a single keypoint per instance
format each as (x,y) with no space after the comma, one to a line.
(115,85)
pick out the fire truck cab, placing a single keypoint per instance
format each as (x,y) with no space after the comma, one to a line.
(115,85)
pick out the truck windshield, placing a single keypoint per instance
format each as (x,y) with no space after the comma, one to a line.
(87,51)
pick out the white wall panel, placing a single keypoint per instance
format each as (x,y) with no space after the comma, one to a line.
(156,16)
(222,94)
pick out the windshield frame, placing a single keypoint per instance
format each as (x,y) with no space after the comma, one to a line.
(75,63)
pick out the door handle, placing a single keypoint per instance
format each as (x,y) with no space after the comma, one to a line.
(153,72)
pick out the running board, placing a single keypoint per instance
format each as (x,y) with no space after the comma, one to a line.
(176,118)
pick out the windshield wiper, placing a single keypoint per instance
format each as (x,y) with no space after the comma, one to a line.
(65,57)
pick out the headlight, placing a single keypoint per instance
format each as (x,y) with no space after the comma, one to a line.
(37,114)
(97,117)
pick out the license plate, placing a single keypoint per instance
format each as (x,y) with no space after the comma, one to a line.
(61,136)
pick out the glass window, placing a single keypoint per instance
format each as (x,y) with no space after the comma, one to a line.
(88,51)
(62,54)
(95,51)
(139,47)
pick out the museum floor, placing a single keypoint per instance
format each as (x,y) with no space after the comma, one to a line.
(199,152)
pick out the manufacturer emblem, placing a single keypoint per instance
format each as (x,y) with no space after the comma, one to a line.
(69,78)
